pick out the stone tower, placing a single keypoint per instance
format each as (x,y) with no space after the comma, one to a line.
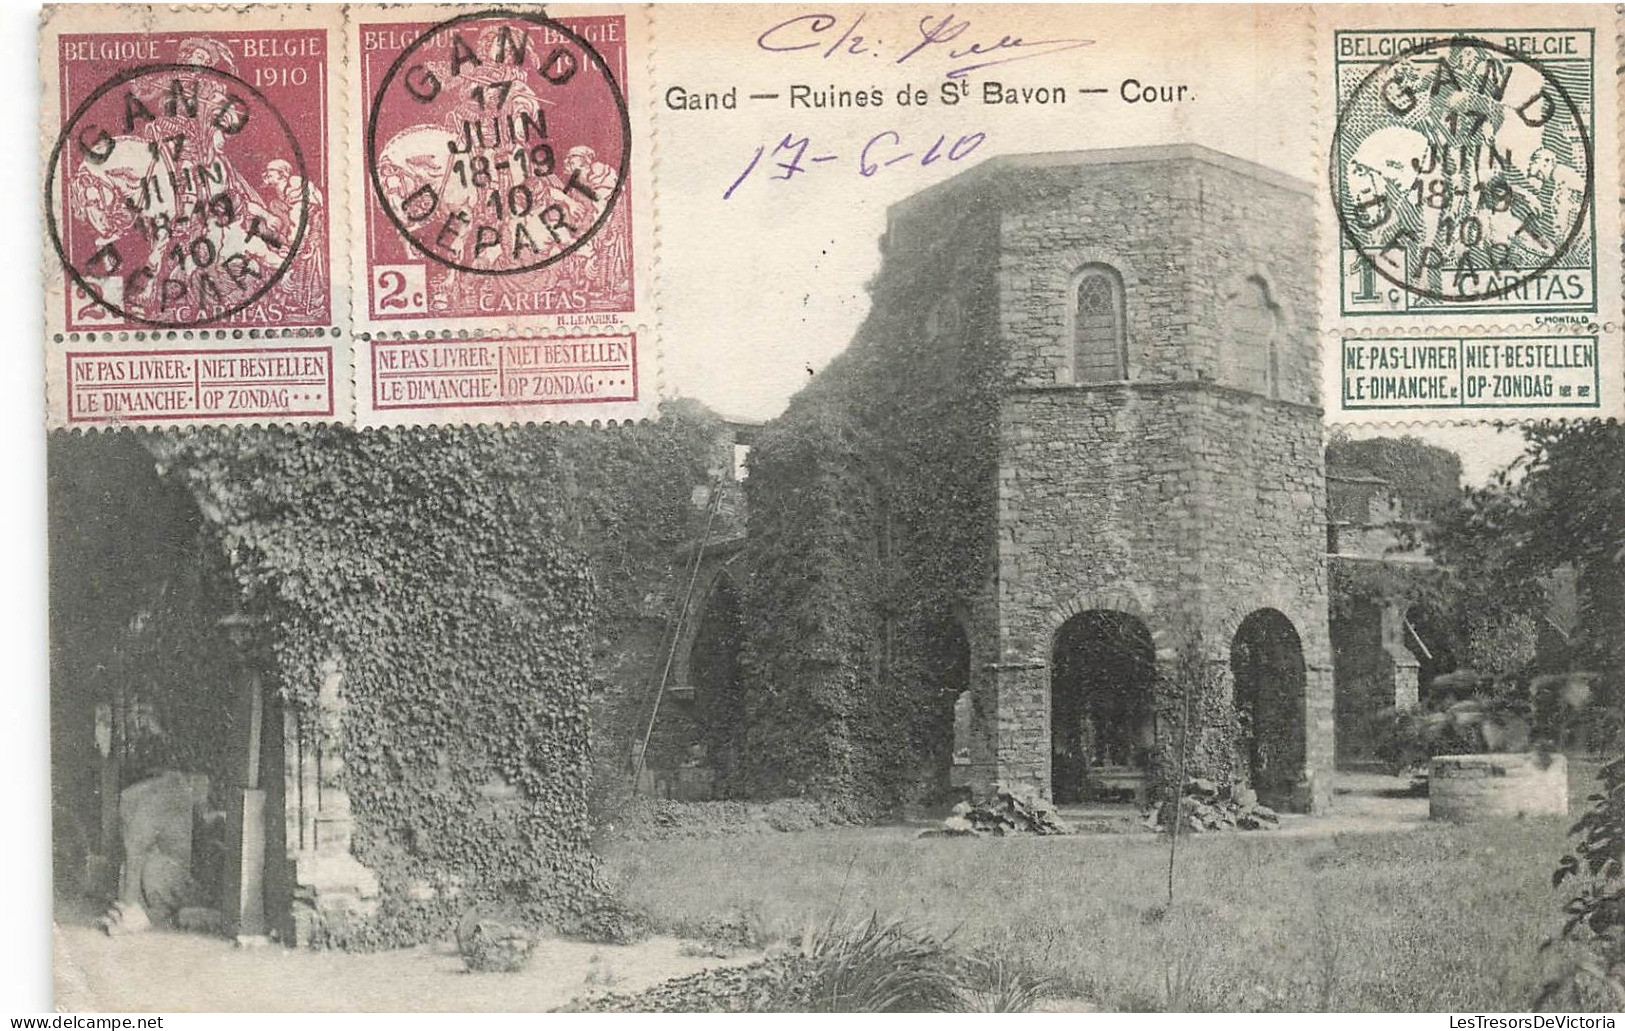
(1160,510)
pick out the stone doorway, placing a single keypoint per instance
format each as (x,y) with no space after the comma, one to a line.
(1266,660)
(948,732)
(1102,727)
(719,704)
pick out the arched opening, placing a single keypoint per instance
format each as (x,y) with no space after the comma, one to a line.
(1100,351)
(1266,659)
(1253,352)
(948,682)
(1102,732)
(159,747)
(714,672)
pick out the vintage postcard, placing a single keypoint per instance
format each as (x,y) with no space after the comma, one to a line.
(759,508)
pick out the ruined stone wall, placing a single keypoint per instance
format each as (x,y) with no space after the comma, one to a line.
(1364,680)
(1253,224)
(1264,528)
(871,506)
(998,490)
(1128,216)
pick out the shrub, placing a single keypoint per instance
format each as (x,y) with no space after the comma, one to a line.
(661,819)
(607,920)
(1207,807)
(754,988)
(873,967)
(876,968)
(740,930)
(993,982)
(494,941)
(1008,812)
(1593,940)
(1470,712)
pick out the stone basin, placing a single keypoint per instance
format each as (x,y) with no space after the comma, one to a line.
(1464,788)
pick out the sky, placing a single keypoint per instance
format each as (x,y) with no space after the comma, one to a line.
(760,281)
(757,288)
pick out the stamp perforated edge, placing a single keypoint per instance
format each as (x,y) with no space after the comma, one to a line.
(639,196)
(1609,168)
(641,322)
(56,20)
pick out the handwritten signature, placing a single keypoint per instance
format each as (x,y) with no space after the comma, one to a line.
(936,36)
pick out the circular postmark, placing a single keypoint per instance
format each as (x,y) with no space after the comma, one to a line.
(161,222)
(498,142)
(1462,171)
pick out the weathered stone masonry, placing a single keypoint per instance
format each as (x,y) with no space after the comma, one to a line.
(1187,489)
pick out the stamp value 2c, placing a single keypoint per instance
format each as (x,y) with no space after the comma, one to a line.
(497,150)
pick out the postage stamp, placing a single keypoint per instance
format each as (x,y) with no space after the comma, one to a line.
(190,196)
(504,189)
(510,373)
(1471,171)
(1463,173)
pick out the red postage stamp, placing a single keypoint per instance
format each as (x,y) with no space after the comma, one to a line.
(188,186)
(195,215)
(497,152)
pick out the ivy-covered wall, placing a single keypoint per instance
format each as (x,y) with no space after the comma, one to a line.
(436,569)
(479,597)
(871,507)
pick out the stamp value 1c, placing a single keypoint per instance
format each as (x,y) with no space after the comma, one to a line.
(1462,172)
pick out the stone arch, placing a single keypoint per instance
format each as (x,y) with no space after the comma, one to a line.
(1103,674)
(1097,326)
(1283,599)
(714,673)
(711,573)
(1270,679)
(1255,337)
(1117,600)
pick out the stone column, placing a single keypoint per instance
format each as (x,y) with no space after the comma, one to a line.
(242,902)
(1320,741)
(1402,665)
(1021,730)
(331,888)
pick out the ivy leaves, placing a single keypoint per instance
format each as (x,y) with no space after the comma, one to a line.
(451,573)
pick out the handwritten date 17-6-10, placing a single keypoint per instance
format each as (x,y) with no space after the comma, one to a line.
(943,37)
(796,155)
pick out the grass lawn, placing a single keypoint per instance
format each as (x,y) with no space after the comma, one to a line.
(1435,918)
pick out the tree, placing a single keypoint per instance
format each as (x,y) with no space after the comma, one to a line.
(1569,509)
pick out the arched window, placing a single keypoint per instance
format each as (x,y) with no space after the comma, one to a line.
(1099,347)
(1255,321)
